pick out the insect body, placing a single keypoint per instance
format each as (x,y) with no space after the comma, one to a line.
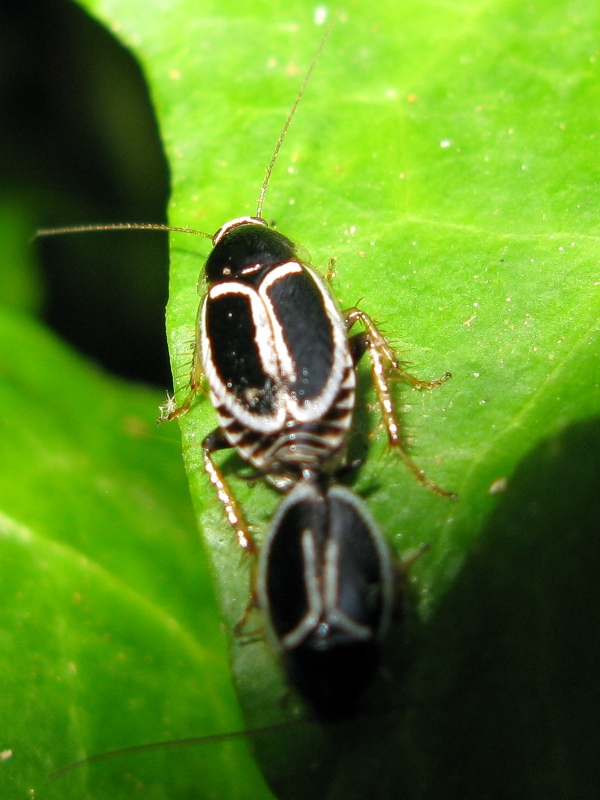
(326,582)
(274,349)
(280,364)
(278,357)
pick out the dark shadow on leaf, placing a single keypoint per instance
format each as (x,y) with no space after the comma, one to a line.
(506,691)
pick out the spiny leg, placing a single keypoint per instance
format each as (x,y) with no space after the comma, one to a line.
(392,426)
(242,630)
(380,352)
(213,442)
(170,410)
(330,273)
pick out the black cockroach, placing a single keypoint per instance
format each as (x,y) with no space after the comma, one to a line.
(327,585)
(279,360)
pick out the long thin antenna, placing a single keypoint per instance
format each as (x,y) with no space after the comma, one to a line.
(174,743)
(282,135)
(118,226)
(150,226)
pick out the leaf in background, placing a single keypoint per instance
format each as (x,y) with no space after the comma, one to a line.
(109,635)
(446,155)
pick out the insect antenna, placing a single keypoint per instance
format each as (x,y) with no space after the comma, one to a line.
(282,135)
(118,226)
(175,743)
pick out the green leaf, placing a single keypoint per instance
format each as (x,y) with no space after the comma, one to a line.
(109,635)
(446,156)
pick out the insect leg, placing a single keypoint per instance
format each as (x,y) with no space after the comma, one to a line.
(330,273)
(383,363)
(170,410)
(213,442)
(244,632)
